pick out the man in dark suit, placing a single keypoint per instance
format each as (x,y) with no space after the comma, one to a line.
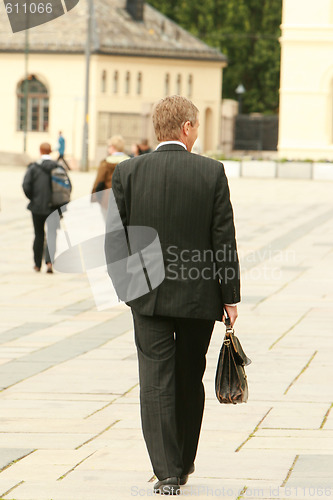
(185,198)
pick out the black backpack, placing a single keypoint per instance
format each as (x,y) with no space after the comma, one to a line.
(60,187)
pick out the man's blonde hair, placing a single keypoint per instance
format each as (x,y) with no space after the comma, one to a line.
(118,142)
(170,114)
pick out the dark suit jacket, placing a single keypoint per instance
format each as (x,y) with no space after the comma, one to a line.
(185,198)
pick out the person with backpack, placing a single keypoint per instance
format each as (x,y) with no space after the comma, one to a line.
(48,187)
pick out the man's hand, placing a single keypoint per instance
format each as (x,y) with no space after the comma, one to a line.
(231,312)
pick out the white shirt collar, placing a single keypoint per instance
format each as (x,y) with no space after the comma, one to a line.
(164,143)
(46,157)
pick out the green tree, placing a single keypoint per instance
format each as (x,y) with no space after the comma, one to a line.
(247,32)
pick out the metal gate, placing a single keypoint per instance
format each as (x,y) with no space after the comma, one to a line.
(256,133)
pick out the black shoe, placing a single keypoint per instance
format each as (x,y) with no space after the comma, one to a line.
(49,268)
(183,479)
(168,486)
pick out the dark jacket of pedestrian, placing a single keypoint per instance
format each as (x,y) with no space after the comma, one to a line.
(37,187)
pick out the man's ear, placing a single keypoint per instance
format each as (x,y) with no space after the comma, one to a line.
(186,128)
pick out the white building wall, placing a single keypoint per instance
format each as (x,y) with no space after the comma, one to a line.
(306,110)
(64,77)
(206,89)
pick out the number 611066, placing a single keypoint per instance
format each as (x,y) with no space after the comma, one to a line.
(29,8)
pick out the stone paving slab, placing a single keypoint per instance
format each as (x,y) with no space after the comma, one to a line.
(13,394)
(22,331)
(8,455)
(302,444)
(69,372)
(45,441)
(56,425)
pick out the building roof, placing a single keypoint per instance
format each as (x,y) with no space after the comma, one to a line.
(115,33)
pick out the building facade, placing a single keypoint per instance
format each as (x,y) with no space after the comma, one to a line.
(306,90)
(137,57)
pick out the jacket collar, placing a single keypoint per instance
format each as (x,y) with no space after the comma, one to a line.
(116,158)
(170,147)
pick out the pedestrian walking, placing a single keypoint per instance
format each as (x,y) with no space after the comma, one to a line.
(185,198)
(61,149)
(103,181)
(144,147)
(38,188)
(135,150)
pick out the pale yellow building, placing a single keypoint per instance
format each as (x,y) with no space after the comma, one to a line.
(306,93)
(137,58)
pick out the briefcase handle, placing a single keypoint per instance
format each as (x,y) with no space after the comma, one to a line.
(228,328)
(230,338)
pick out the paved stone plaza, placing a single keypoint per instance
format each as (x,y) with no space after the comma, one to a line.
(69,409)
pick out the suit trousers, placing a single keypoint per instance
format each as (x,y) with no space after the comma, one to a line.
(172,362)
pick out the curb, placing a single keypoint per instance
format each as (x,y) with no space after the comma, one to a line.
(318,171)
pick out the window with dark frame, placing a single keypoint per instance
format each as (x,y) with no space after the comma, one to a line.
(179,84)
(115,82)
(139,84)
(127,83)
(190,86)
(103,82)
(167,84)
(33,105)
